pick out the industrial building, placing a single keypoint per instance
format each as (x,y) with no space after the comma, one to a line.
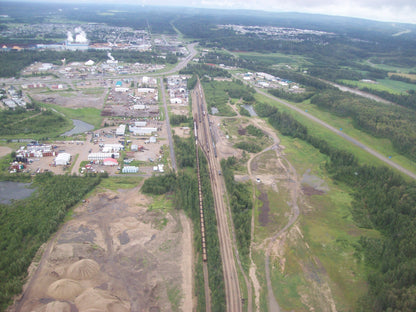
(62,159)
(142,130)
(102,156)
(121,130)
(110,162)
(130,169)
(110,148)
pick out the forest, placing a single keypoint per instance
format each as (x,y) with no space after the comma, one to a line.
(241,208)
(383,200)
(380,120)
(26,224)
(218,93)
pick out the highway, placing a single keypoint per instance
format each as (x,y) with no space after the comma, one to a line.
(232,288)
(340,133)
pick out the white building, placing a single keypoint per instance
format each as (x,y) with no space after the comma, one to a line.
(130,169)
(121,130)
(146,90)
(140,123)
(109,148)
(121,89)
(142,130)
(176,101)
(102,156)
(62,159)
(139,106)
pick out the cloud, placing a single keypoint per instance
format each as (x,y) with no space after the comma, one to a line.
(403,11)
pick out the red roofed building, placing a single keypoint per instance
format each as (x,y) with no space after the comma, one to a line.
(110,162)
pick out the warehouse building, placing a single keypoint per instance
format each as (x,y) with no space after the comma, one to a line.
(62,159)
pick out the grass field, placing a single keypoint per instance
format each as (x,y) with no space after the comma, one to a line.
(87,114)
(327,252)
(274,58)
(392,86)
(391,68)
(410,76)
(121,182)
(338,142)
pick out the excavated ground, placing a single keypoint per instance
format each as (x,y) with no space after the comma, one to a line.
(114,255)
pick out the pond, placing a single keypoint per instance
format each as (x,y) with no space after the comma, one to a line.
(14,191)
(79,127)
(250,110)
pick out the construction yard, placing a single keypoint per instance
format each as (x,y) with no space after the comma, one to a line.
(121,251)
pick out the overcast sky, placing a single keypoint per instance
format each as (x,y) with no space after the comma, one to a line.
(382,10)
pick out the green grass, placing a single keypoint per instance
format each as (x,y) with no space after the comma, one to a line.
(274,58)
(382,145)
(161,205)
(330,233)
(120,182)
(389,67)
(258,259)
(175,297)
(391,86)
(87,114)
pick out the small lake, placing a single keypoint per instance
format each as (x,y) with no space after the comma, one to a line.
(14,191)
(79,127)
(250,110)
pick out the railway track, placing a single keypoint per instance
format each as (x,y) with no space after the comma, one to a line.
(206,141)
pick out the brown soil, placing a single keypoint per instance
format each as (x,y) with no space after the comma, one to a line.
(78,100)
(309,191)
(4,150)
(114,255)
(264,210)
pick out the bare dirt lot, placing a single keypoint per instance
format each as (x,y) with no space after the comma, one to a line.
(114,255)
(72,99)
(4,150)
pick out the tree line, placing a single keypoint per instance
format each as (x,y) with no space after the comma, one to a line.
(241,208)
(26,224)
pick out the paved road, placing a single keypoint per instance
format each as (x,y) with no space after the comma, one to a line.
(358,92)
(182,63)
(172,151)
(232,288)
(340,133)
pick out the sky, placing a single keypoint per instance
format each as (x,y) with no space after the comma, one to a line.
(403,11)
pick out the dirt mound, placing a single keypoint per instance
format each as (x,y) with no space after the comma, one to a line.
(117,307)
(65,289)
(58,306)
(97,299)
(83,269)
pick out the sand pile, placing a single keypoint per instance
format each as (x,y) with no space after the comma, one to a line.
(99,300)
(58,306)
(83,269)
(65,289)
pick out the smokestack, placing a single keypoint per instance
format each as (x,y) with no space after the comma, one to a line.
(69,37)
